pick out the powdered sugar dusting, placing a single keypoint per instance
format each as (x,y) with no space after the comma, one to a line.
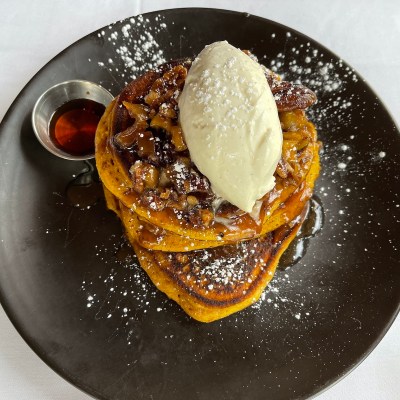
(329,78)
(134,46)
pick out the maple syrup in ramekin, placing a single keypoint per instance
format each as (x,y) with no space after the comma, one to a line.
(73,126)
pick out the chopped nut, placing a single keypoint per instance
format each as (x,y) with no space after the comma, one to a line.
(151,199)
(184,160)
(177,138)
(163,180)
(192,201)
(144,175)
(139,112)
(136,173)
(161,122)
(167,110)
(129,136)
(164,88)
(179,174)
(289,96)
(206,216)
(182,258)
(165,193)
(151,176)
(152,97)
(198,183)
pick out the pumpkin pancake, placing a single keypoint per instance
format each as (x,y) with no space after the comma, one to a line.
(210,284)
(184,235)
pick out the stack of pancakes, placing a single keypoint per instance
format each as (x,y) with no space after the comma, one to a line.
(212,258)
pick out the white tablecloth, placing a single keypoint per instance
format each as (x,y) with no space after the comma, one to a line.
(364,33)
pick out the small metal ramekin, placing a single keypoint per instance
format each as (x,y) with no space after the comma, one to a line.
(53,98)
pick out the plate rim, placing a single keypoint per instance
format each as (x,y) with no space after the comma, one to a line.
(74,381)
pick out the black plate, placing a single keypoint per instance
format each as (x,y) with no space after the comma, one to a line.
(67,282)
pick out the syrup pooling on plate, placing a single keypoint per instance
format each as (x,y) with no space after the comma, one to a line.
(312,224)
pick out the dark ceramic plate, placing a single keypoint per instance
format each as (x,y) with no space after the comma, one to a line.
(78,298)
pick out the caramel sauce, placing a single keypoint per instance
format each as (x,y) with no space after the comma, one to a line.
(73,126)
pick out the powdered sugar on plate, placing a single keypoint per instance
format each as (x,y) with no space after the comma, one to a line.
(133,54)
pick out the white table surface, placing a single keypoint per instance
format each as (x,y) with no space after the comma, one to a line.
(366,34)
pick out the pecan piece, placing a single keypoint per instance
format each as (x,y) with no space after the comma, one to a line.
(164,88)
(144,176)
(133,93)
(139,112)
(129,136)
(186,179)
(179,174)
(289,96)
(177,138)
(151,199)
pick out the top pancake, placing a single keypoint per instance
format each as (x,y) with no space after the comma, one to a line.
(143,161)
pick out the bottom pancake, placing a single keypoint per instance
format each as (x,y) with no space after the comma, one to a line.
(210,284)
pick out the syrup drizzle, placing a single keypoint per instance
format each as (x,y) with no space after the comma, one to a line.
(312,224)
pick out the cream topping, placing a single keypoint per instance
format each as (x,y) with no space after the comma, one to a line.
(231,125)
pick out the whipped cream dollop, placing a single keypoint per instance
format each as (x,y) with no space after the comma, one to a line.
(231,125)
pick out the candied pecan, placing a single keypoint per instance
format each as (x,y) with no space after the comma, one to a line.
(281,169)
(272,78)
(164,87)
(132,93)
(206,216)
(151,199)
(151,176)
(167,110)
(289,96)
(177,202)
(139,112)
(194,217)
(179,174)
(186,62)
(186,179)
(182,258)
(129,136)
(192,201)
(200,217)
(165,194)
(143,175)
(163,179)
(165,153)
(136,173)
(198,183)
(177,138)
(159,121)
